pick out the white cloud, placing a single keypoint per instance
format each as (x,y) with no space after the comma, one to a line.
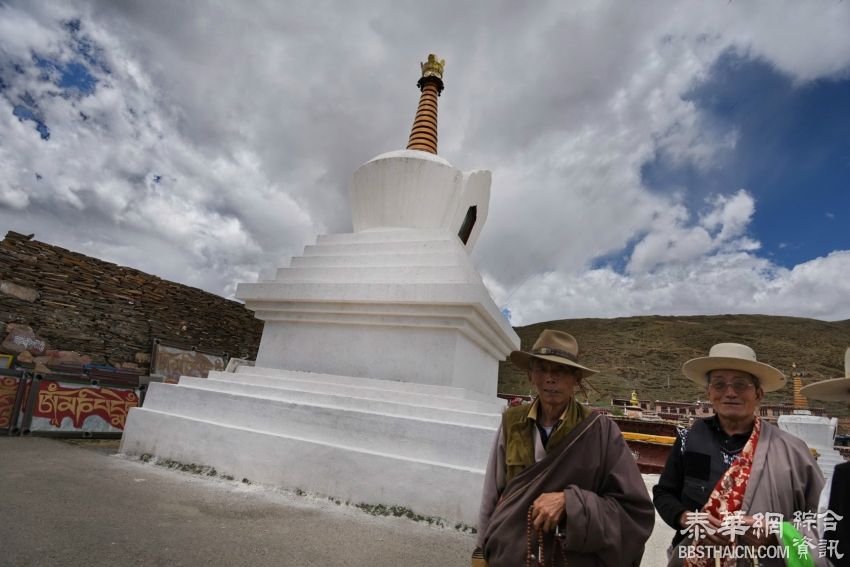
(725,283)
(100,170)
(673,239)
(220,138)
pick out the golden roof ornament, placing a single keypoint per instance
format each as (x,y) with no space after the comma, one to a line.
(432,67)
(800,401)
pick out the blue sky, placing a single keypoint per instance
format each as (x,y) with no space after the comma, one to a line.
(792,154)
(72,79)
(652,159)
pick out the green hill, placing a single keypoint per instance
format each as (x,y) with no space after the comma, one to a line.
(646,353)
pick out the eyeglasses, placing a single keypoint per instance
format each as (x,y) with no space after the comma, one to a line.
(738,385)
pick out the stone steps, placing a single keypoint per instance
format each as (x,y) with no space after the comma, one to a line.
(373,441)
(358,401)
(372,274)
(388,235)
(377,261)
(330,469)
(356,429)
(447,393)
(381,247)
(289,386)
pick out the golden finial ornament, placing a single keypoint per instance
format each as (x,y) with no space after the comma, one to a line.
(800,401)
(423,135)
(432,67)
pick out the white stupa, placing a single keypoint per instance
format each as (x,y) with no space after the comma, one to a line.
(817,431)
(376,376)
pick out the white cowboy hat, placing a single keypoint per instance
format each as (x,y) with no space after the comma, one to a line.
(835,390)
(734,356)
(554,346)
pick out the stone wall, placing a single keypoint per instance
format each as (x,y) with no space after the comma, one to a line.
(112,313)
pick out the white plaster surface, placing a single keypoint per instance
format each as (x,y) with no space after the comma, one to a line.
(399,304)
(420,393)
(819,433)
(414,189)
(376,375)
(345,437)
(418,154)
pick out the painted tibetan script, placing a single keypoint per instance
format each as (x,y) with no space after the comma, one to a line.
(8,389)
(56,402)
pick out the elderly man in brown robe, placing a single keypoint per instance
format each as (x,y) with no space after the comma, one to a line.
(729,474)
(561,486)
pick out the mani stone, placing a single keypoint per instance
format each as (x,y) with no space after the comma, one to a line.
(18,291)
(66,357)
(21,338)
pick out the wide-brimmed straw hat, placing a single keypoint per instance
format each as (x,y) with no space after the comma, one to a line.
(835,390)
(734,356)
(554,346)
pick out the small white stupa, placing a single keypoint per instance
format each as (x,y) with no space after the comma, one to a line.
(817,431)
(376,376)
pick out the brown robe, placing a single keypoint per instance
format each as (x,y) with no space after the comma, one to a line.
(609,515)
(785,478)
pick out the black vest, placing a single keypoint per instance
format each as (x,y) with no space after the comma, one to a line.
(703,465)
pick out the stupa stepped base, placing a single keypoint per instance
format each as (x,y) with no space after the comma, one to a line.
(395,304)
(356,439)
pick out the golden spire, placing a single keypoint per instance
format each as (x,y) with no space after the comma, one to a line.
(423,135)
(800,401)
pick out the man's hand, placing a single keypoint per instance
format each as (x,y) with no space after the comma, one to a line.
(547,511)
(764,538)
(716,538)
(683,519)
(747,537)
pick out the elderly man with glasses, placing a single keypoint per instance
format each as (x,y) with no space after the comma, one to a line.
(734,484)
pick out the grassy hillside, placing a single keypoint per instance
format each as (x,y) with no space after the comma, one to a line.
(647,353)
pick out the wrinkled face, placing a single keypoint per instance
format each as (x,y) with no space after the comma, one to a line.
(554,383)
(733,393)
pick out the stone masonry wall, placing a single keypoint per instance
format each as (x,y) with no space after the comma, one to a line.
(112,313)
